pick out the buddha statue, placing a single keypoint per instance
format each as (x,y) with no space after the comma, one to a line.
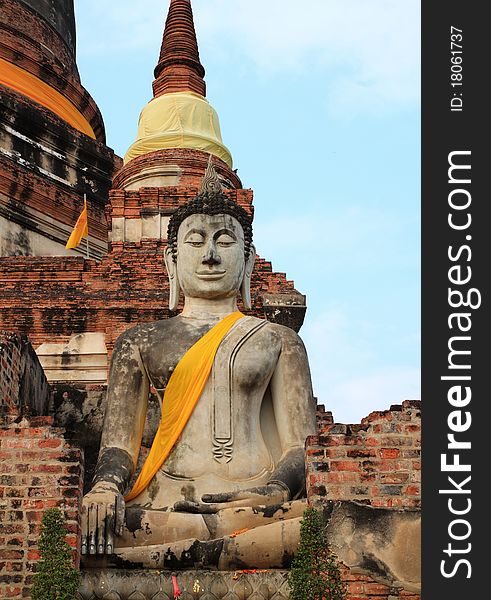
(226,467)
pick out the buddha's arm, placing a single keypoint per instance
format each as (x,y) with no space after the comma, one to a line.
(294,408)
(124,420)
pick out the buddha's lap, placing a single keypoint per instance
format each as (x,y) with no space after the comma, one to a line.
(146,527)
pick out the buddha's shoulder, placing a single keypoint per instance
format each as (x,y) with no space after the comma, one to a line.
(172,330)
(281,333)
(143,332)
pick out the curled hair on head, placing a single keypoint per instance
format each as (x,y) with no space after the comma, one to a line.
(210,203)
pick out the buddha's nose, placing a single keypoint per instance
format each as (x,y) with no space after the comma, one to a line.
(211,256)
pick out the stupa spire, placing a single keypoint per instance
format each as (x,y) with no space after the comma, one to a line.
(179,115)
(179,68)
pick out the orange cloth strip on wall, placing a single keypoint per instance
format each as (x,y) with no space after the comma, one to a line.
(181,396)
(80,230)
(31,86)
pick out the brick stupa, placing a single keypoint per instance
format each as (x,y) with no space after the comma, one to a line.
(52,138)
(179,68)
(73,308)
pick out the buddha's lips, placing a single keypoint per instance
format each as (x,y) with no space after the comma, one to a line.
(210,274)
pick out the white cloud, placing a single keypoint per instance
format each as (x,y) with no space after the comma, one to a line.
(369,51)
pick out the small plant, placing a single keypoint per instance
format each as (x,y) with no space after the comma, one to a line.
(315,574)
(56,577)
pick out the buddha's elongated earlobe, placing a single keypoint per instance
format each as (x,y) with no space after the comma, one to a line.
(174,287)
(245,288)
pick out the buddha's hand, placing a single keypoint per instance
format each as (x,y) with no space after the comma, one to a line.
(102,517)
(264,495)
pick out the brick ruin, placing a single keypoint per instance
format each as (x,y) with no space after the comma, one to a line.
(376,462)
(40,467)
(61,313)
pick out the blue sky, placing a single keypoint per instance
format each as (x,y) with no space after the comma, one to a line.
(319,104)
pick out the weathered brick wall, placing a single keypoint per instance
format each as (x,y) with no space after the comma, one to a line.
(30,42)
(45,189)
(362,587)
(377,462)
(324,417)
(46,165)
(23,385)
(192,165)
(52,297)
(39,469)
(134,203)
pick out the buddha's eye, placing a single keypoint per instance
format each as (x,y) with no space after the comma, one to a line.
(225,240)
(195,240)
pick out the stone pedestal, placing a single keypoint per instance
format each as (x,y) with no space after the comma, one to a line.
(114,584)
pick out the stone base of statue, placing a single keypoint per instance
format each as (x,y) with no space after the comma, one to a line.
(118,584)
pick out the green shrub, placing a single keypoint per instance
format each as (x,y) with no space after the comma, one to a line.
(56,578)
(315,574)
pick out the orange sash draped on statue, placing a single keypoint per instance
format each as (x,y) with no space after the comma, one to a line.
(181,396)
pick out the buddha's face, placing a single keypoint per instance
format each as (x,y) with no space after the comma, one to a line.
(210,256)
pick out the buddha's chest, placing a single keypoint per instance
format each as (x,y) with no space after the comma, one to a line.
(243,363)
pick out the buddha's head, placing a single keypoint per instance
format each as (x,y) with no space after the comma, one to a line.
(210,253)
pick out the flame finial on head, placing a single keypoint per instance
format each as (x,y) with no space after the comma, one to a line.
(210,181)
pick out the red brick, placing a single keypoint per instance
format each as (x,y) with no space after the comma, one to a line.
(41,468)
(376,589)
(389,452)
(12,591)
(344,465)
(50,443)
(315,452)
(360,453)
(11,554)
(354,587)
(342,477)
(393,478)
(335,452)
(44,492)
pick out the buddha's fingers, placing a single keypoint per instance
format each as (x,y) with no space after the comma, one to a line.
(92,529)
(258,492)
(195,507)
(119,515)
(101,528)
(85,526)
(250,501)
(110,519)
(266,494)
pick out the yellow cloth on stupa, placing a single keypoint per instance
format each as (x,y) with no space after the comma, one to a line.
(179,120)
